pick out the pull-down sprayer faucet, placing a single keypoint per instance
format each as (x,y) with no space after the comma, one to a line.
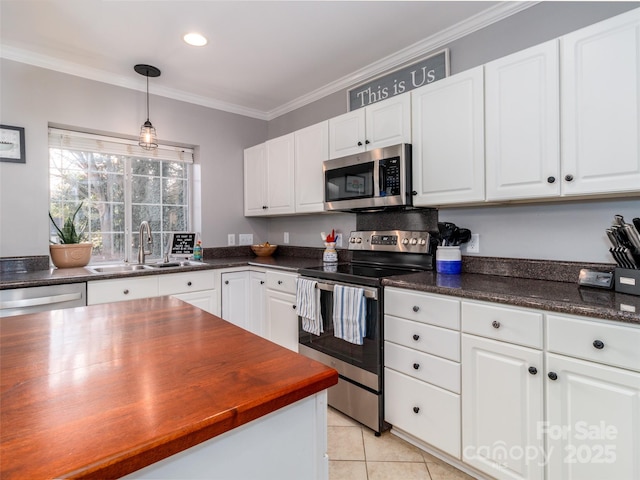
(145,229)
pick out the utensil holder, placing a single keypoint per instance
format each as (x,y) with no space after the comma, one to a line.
(330,255)
(448,260)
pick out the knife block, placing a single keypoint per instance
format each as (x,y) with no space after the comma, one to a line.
(627,281)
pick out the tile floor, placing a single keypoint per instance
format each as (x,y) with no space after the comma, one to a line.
(355,453)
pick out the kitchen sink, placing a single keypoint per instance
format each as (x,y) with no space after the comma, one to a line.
(182,263)
(118,268)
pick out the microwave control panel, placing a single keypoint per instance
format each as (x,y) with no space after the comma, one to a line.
(390,176)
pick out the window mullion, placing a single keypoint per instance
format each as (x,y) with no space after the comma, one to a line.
(128,210)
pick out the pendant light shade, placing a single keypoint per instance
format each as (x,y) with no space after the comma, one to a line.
(148,138)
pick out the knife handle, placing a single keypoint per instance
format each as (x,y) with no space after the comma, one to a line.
(618,220)
(633,237)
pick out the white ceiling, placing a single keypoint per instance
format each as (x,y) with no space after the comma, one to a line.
(264,58)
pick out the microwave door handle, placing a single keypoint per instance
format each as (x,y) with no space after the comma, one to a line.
(382,179)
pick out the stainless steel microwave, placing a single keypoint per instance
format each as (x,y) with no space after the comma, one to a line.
(370,180)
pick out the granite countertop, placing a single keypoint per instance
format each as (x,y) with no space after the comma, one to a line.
(115,401)
(561,297)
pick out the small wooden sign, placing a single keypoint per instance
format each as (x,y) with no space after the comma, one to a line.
(405,79)
(182,243)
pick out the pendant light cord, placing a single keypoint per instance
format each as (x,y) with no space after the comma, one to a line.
(147,96)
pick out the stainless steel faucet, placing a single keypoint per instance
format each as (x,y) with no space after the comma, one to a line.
(144,229)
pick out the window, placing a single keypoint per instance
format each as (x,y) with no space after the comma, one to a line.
(120,185)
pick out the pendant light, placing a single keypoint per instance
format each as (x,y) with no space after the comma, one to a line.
(148,139)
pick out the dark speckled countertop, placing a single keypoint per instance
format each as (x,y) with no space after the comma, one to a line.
(520,282)
(561,297)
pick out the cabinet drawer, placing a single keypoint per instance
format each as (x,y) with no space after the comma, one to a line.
(422,366)
(581,337)
(186,282)
(511,325)
(424,411)
(424,308)
(281,282)
(426,338)
(104,291)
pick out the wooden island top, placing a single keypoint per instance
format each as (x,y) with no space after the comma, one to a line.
(104,390)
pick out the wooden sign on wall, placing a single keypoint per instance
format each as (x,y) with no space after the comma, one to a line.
(405,79)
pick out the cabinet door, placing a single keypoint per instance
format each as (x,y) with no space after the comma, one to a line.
(255,317)
(280,175)
(235,291)
(502,408)
(311,149)
(522,124)
(347,134)
(448,140)
(282,319)
(255,180)
(593,420)
(601,107)
(388,122)
(206,300)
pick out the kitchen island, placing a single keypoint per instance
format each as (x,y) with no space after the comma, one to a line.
(106,390)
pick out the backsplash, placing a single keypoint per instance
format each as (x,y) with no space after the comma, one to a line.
(24,264)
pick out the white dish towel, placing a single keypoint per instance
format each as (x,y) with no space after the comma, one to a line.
(349,314)
(308,302)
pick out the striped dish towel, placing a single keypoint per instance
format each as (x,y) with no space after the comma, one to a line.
(349,314)
(308,302)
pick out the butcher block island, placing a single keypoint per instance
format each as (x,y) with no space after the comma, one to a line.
(156,388)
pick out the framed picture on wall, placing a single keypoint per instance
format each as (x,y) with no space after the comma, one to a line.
(12,144)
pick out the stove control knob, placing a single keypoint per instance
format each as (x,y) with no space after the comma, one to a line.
(405,241)
(358,240)
(352,239)
(423,241)
(414,241)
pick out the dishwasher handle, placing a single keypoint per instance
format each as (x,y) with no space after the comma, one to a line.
(33,302)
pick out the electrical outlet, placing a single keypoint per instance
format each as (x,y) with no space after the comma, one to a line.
(338,240)
(286,237)
(231,239)
(473,245)
(246,239)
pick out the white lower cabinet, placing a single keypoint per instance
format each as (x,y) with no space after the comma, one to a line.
(236,289)
(422,368)
(199,289)
(281,325)
(502,408)
(121,289)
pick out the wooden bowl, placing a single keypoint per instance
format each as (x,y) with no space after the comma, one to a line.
(263,251)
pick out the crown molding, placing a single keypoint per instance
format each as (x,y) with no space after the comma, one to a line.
(429,44)
(406,55)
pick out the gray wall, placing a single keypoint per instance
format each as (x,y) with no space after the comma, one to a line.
(572,231)
(34,97)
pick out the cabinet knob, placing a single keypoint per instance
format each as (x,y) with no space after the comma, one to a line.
(552,375)
(416,308)
(495,324)
(568,178)
(359,144)
(533,370)
(416,337)
(551,179)
(414,193)
(294,306)
(126,291)
(279,282)
(264,207)
(367,142)
(416,366)
(188,284)
(599,344)
(261,282)
(226,282)
(416,409)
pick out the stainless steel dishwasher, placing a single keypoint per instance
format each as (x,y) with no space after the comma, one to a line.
(18,301)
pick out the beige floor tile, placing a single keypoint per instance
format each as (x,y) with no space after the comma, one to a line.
(397,471)
(389,448)
(345,443)
(338,419)
(347,470)
(442,471)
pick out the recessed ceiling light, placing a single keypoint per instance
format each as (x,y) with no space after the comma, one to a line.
(195,39)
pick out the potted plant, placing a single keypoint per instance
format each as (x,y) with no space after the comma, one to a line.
(71,251)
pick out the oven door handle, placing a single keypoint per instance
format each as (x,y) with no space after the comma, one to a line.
(368,292)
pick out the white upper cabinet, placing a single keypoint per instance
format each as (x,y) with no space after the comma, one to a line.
(269,177)
(600,100)
(255,180)
(379,125)
(311,149)
(522,124)
(448,140)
